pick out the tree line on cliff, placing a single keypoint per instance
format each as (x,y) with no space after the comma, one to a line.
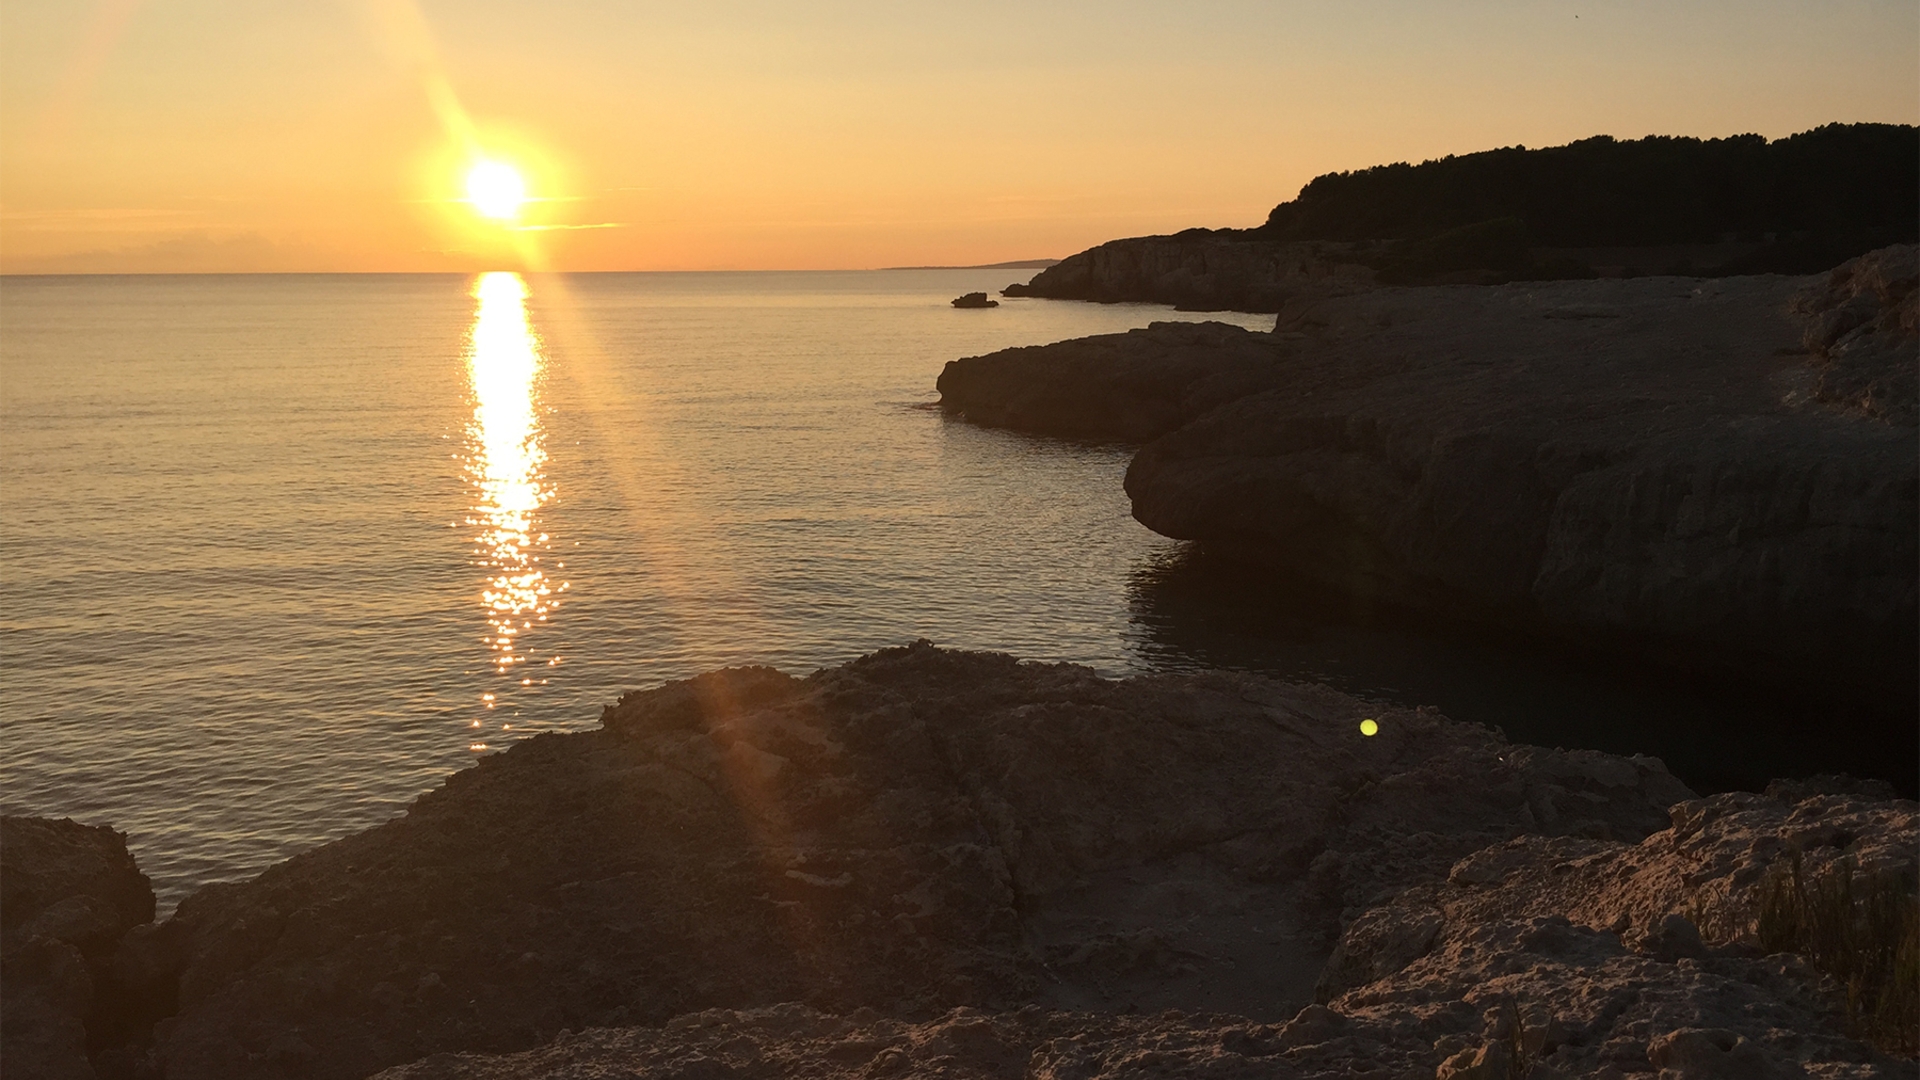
(1813,198)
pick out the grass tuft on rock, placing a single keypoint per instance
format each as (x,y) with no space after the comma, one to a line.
(1864,930)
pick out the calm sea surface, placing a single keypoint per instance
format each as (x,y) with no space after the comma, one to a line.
(280,552)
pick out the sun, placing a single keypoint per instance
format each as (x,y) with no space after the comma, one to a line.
(496,190)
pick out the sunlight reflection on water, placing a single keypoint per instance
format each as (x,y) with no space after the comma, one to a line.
(506,460)
(255,528)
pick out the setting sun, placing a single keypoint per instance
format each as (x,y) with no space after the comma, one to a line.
(1525,389)
(496,190)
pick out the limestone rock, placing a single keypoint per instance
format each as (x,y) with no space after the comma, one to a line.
(1649,466)
(1504,986)
(68,894)
(1599,940)
(1717,1054)
(1207,270)
(74,883)
(915,831)
(1610,460)
(787,1041)
(954,864)
(1863,326)
(1128,387)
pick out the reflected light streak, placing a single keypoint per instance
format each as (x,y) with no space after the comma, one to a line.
(505,462)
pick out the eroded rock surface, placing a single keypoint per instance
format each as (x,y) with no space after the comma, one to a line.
(953,864)
(1543,957)
(1862,322)
(1604,955)
(1659,465)
(1540,957)
(1208,270)
(914,831)
(1128,387)
(1613,459)
(69,893)
(787,1041)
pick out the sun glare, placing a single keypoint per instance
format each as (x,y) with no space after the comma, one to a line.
(507,464)
(496,190)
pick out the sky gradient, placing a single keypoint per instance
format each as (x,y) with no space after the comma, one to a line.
(226,135)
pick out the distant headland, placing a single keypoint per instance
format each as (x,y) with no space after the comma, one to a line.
(1016,264)
(1650,398)
(1599,207)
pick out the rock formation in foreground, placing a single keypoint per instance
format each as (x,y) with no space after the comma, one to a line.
(1539,958)
(1718,474)
(69,894)
(941,863)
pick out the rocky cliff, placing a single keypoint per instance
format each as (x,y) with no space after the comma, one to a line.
(1599,207)
(1717,474)
(1205,270)
(1129,387)
(957,864)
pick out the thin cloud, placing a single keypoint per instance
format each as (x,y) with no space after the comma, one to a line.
(569,228)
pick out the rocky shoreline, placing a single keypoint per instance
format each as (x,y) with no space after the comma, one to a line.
(927,862)
(1208,270)
(1717,475)
(1474,407)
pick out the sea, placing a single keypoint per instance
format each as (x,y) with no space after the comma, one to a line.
(278,553)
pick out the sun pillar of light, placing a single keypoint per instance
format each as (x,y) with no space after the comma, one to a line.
(506,464)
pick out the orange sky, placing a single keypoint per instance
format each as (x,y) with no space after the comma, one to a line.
(183,135)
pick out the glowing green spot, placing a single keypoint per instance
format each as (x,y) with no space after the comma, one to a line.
(1369,727)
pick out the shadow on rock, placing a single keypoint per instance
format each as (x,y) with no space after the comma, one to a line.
(1194,608)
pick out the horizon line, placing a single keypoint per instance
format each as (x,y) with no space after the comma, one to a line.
(1015,265)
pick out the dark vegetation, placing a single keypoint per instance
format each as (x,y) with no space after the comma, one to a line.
(1864,930)
(1741,204)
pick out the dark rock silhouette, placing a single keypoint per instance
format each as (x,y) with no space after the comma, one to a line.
(69,894)
(1205,270)
(1193,606)
(975,300)
(1560,956)
(1129,387)
(1597,207)
(1647,465)
(932,860)
(914,831)
(1853,183)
